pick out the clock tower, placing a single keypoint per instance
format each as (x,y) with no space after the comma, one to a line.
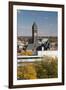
(34,33)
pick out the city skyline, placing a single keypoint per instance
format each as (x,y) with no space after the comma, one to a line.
(46,21)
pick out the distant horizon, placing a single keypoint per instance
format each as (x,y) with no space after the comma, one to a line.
(47,22)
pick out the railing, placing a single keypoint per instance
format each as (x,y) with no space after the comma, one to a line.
(28,58)
(31,59)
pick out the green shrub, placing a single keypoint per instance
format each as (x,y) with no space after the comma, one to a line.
(47,67)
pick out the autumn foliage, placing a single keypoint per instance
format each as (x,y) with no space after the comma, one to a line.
(47,67)
(27,71)
(29,53)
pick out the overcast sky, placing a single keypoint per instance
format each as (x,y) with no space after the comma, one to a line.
(46,22)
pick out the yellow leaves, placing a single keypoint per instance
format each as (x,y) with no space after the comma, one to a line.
(47,67)
(27,71)
(29,53)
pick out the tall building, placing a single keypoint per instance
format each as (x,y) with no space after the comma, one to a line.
(34,33)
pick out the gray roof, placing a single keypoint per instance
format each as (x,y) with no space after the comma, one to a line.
(31,46)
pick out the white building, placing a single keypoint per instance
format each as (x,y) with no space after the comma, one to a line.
(20,44)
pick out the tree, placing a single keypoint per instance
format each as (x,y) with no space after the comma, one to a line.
(27,71)
(47,67)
